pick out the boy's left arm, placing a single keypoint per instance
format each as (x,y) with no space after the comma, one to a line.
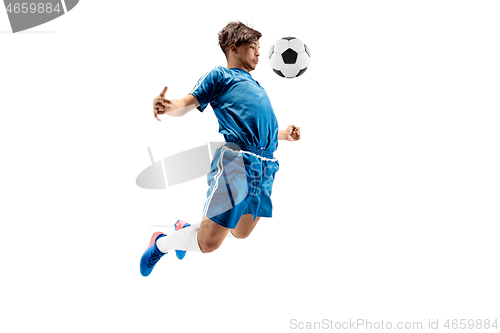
(292,133)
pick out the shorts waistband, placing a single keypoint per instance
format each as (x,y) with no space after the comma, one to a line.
(257,151)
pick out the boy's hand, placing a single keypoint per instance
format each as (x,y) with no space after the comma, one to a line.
(160,104)
(293,133)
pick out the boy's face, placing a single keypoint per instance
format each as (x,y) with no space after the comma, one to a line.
(248,54)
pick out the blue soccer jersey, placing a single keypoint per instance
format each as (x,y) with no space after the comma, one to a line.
(241,106)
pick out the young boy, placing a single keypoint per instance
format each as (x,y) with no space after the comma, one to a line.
(243,170)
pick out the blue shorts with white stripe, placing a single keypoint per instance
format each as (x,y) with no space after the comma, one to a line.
(240,182)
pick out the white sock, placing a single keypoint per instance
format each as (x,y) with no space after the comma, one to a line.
(185,239)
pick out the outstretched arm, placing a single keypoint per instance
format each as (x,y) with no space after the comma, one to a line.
(292,133)
(173,107)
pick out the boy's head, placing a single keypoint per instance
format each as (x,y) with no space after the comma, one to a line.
(240,44)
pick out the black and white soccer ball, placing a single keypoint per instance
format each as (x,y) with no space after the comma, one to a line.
(289,57)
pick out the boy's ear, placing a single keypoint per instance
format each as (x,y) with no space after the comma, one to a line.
(232,48)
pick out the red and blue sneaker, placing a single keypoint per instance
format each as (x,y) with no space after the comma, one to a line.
(151,255)
(180,224)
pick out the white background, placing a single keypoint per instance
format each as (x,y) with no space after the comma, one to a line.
(386,209)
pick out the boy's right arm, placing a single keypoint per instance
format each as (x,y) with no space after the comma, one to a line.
(173,107)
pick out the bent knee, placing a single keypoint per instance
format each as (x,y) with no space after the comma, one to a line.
(209,246)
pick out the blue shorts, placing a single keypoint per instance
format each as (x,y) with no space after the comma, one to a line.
(240,182)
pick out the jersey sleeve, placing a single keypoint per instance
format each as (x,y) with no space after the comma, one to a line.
(207,87)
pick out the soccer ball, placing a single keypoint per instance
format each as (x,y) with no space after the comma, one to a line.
(289,57)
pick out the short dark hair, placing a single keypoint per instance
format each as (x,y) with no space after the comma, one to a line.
(236,33)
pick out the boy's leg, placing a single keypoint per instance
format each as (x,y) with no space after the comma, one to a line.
(205,237)
(245,226)
(211,235)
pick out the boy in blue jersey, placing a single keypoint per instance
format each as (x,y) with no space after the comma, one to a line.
(243,170)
